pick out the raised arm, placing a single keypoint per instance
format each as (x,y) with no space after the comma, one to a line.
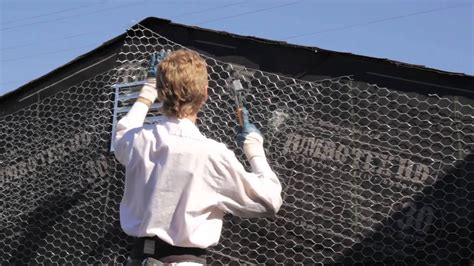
(124,134)
(248,194)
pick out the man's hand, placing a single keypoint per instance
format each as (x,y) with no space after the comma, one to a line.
(152,66)
(250,138)
(155,59)
(148,93)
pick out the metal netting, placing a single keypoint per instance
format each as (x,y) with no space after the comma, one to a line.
(369,174)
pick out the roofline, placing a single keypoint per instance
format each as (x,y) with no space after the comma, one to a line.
(64,68)
(284,43)
(150,21)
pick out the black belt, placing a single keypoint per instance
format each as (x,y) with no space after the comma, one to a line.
(154,247)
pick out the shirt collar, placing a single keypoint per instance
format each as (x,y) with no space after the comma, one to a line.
(182,127)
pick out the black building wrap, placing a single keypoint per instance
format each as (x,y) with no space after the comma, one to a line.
(370,174)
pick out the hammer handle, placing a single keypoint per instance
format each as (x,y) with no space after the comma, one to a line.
(240,117)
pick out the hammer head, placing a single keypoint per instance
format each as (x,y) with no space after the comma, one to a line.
(238,88)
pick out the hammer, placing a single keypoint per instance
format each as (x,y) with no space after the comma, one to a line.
(237,86)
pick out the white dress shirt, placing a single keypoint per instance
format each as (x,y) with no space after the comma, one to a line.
(178,183)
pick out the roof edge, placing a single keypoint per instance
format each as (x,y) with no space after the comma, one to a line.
(63,68)
(149,21)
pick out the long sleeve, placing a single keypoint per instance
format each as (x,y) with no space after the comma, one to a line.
(247,194)
(124,135)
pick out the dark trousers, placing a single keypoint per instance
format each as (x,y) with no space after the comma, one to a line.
(154,251)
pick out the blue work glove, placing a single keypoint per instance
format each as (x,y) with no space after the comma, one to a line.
(148,91)
(155,59)
(250,138)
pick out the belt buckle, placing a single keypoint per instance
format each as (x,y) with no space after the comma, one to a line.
(149,246)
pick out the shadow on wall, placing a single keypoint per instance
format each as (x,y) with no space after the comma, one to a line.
(76,223)
(436,227)
(39,225)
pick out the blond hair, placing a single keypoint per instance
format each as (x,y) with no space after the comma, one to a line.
(182,83)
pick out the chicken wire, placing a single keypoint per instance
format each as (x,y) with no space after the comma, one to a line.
(369,174)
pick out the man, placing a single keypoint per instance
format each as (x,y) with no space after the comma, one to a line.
(179,183)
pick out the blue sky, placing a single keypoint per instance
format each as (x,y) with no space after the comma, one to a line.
(38,36)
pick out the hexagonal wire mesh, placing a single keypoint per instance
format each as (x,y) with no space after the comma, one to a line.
(369,174)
